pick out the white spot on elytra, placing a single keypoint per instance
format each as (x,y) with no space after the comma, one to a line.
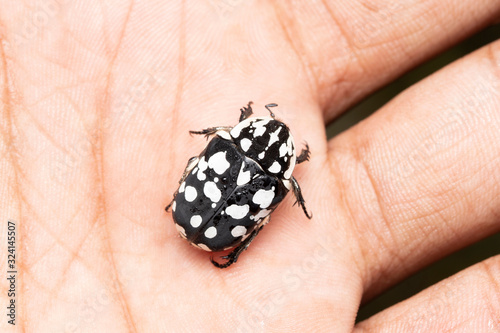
(245,144)
(259,128)
(261,155)
(289,145)
(216,179)
(203,247)
(192,163)
(181,188)
(275,168)
(261,214)
(218,162)
(211,191)
(203,165)
(181,230)
(195,221)
(283,149)
(288,173)
(263,198)
(235,132)
(238,231)
(211,232)
(224,134)
(274,137)
(214,205)
(243,176)
(287,184)
(191,193)
(237,212)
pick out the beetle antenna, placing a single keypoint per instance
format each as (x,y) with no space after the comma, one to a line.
(272,105)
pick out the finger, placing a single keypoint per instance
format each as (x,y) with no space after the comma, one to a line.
(420,177)
(466,302)
(349,48)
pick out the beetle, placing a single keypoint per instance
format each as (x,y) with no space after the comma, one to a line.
(227,193)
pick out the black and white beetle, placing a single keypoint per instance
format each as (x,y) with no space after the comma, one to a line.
(227,193)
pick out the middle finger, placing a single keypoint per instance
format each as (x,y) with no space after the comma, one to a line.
(422,175)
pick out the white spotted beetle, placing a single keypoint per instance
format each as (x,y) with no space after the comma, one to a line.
(227,193)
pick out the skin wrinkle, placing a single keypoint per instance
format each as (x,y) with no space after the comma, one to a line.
(493,56)
(430,219)
(299,50)
(58,241)
(74,252)
(483,267)
(136,222)
(365,274)
(345,35)
(181,65)
(435,217)
(489,267)
(458,200)
(73,103)
(45,133)
(99,159)
(369,6)
(357,156)
(107,40)
(60,90)
(342,86)
(335,170)
(345,85)
(445,306)
(52,61)
(9,139)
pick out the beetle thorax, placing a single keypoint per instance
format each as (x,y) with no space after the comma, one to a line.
(268,141)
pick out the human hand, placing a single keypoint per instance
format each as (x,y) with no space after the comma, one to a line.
(97,100)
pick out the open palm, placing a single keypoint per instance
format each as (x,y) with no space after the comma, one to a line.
(97,98)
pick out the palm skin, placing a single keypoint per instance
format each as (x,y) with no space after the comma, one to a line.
(96,106)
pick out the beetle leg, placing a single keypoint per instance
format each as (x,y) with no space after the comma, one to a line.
(246,111)
(304,155)
(190,165)
(211,131)
(298,195)
(233,256)
(169,205)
